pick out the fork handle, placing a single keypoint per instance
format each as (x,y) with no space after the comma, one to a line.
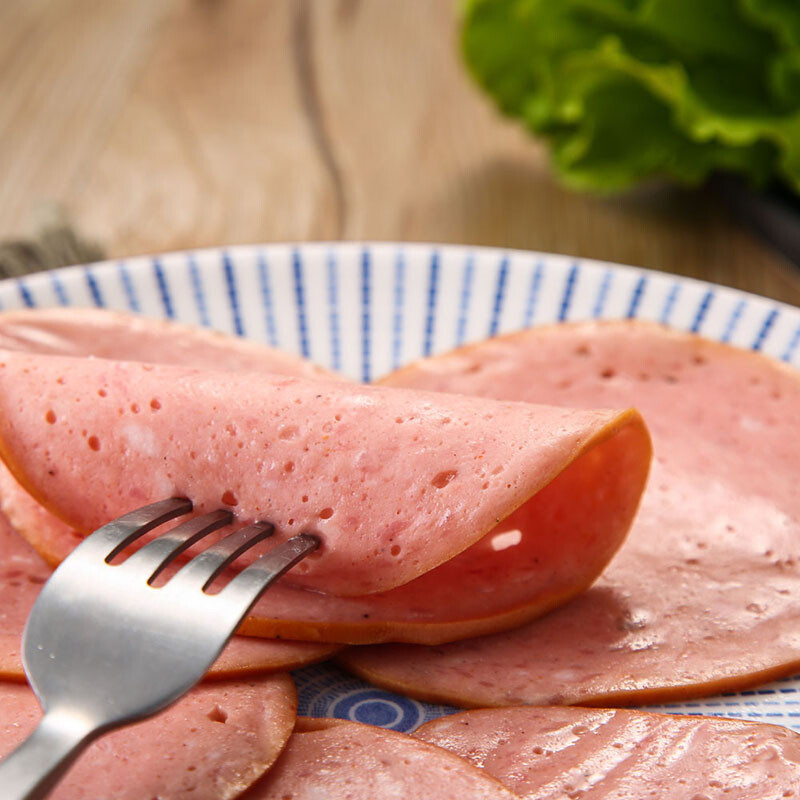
(32,770)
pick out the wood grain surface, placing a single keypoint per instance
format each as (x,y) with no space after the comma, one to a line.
(161,125)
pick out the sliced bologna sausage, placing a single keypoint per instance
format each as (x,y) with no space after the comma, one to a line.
(129,337)
(211,745)
(337,760)
(705,594)
(555,753)
(394,482)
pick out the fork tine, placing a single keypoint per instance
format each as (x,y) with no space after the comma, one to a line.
(203,568)
(112,538)
(250,583)
(155,556)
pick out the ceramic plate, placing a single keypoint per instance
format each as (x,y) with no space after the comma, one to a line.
(366,309)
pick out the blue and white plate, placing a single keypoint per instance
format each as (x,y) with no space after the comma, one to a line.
(365,309)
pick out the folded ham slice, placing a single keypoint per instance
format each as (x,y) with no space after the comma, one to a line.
(555,753)
(395,483)
(212,744)
(705,595)
(457,599)
(328,758)
(22,573)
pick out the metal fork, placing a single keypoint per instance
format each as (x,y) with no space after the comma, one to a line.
(103,647)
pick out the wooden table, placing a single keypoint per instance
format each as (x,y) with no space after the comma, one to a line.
(161,125)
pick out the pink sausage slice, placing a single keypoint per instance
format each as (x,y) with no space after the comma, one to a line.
(333,759)
(555,753)
(394,482)
(211,745)
(130,337)
(22,572)
(705,595)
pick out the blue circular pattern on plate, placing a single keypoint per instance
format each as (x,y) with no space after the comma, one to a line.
(373,707)
(324,690)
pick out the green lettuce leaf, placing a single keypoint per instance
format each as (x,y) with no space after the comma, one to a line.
(625,90)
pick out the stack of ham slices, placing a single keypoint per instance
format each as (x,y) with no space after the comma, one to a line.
(466,506)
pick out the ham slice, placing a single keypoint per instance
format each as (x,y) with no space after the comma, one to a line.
(556,753)
(211,745)
(394,482)
(22,572)
(129,337)
(327,758)
(705,595)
